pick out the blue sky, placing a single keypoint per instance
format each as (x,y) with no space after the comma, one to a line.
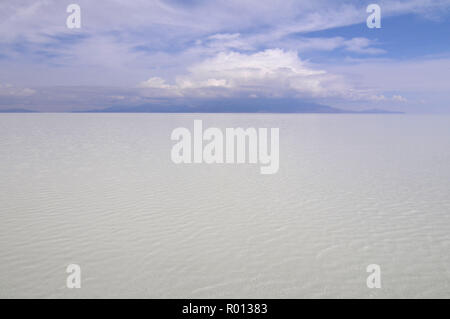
(141,52)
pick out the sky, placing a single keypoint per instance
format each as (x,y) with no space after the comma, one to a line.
(130,53)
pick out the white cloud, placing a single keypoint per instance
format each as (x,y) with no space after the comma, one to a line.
(399,98)
(361,45)
(268,73)
(356,45)
(9,90)
(155,83)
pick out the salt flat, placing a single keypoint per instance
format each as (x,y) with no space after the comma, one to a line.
(101,191)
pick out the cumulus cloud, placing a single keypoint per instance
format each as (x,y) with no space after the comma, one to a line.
(268,73)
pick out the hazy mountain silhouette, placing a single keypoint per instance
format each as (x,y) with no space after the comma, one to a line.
(18,111)
(232,106)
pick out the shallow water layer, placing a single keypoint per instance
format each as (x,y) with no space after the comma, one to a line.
(101,191)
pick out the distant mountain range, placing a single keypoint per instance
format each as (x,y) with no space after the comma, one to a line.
(378,111)
(234,106)
(226,106)
(17,111)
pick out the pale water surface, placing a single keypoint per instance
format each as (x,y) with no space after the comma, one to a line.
(101,191)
